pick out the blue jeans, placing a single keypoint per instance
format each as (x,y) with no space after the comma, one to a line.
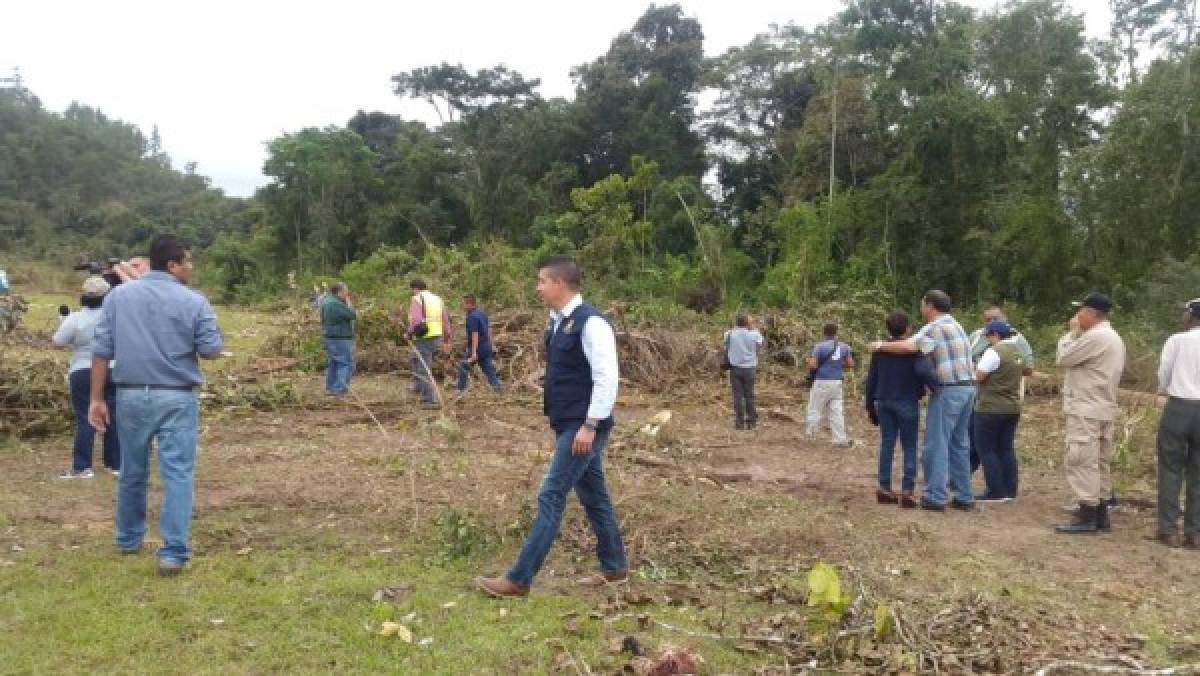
(995,434)
(947,444)
(340,366)
(898,419)
(486,364)
(172,417)
(584,473)
(85,434)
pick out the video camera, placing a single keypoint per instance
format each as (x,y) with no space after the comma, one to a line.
(104,270)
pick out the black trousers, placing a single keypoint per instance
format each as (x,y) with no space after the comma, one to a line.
(1179,465)
(741,380)
(995,434)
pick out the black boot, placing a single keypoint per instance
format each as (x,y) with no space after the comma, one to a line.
(1085,522)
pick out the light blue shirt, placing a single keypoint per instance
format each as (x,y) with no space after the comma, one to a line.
(77,331)
(741,345)
(153,329)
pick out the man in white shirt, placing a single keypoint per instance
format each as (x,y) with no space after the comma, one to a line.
(1179,433)
(578,398)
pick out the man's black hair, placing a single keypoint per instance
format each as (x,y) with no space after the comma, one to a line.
(470,298)
(417,284)
(830,329)
(336,287)
(166,249)
(897,324)
(937,299)
(564,268)
(92,302)
(742,320)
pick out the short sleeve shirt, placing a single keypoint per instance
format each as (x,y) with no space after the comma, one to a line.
(742,347)
(477,322)
(831,358)
(945,343)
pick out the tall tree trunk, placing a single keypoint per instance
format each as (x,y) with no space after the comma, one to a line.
(1185,115)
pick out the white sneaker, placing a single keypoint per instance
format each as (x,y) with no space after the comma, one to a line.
(82,474)
(115,472)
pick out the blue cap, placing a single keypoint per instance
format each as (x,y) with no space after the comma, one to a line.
(998,327)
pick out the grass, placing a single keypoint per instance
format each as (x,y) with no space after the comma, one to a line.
(296,609)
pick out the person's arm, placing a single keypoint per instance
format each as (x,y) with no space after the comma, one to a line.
(600,348)
(849,361)
(1166,364)
(1026,353)
(988,363)
(475,335)
(1074,350)
(416,314)
(905,346)
(206,334)
(869,389)
(66,331)
(102,352)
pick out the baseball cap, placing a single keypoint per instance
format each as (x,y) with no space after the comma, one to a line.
(1193,306)
(1096,301)
(95,286)
(999,327)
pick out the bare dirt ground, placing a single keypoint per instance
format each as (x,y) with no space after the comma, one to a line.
(712,516)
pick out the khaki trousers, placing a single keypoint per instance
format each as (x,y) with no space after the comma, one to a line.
(825,402)
(1089,450)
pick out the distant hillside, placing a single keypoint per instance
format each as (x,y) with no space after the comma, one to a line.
(80,185)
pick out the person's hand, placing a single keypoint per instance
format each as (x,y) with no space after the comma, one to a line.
(98,416)
(583,441)
(472,359)
(874,345)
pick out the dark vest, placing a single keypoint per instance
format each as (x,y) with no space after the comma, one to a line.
(1001,392)
(568,391)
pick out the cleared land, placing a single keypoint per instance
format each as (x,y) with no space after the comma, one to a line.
(320,521)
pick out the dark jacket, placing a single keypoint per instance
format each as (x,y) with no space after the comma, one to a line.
(897,377)
(337,318)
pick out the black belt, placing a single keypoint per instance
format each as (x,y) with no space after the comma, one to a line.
(176,388)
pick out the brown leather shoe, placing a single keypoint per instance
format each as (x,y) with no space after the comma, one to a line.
(884,497)
(501,587)
(908,501)
(602,579)
(1168,539)
(1191,541)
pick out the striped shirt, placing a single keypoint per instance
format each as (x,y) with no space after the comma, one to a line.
(945,343)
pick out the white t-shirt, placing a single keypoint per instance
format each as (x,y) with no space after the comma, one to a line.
(77,331)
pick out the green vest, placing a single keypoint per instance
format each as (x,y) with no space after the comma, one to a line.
(1001,392)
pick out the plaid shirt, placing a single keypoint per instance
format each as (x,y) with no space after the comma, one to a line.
(944,341)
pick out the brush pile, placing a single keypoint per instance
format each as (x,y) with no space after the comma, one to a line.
(34,400)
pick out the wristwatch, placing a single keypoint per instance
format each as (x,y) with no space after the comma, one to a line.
(589,426)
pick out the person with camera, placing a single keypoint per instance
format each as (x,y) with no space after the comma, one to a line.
(428,327)
(155,329)
(76,331)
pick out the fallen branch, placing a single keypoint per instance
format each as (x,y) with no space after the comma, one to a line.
(1113,669)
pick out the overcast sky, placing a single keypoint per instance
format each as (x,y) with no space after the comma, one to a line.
(220,78)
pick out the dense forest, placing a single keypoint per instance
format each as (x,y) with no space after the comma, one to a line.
(1001,155)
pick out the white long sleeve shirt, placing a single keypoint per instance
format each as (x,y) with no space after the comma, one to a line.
(1179,366)
(600,348)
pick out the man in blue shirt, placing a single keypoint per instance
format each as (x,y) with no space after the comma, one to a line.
(154,328)
(479,346)
(827,365)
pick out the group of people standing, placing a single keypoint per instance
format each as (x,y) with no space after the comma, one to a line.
(429,331)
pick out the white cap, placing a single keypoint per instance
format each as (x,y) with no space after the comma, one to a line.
(95,286)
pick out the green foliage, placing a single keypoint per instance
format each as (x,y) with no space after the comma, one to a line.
(825,592)
(462,536)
